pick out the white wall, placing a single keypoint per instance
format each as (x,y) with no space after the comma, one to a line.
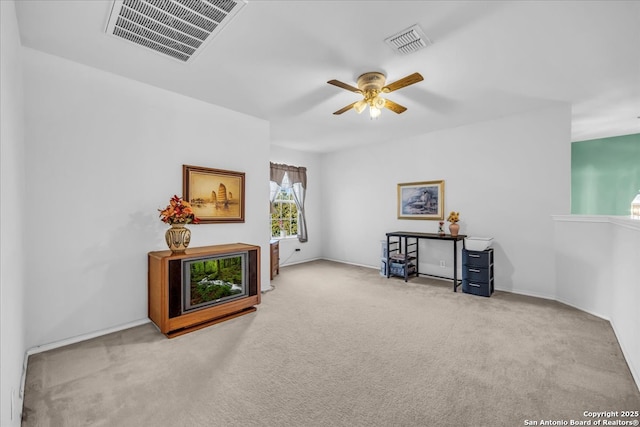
(597,271)
(506,177)
(12,209)
(104,153)
(312,249)
(580,280)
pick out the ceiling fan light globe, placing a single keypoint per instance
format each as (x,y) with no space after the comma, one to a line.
(374,112)
(379,102)
(360,106)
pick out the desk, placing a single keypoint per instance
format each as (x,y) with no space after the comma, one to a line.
(410,240)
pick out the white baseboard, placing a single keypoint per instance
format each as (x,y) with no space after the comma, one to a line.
(527,293)
(350,263)
(84,337)
(45,347)
(577,307)
(635,374)
(300,262)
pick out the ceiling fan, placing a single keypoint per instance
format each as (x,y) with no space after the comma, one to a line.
(370,85)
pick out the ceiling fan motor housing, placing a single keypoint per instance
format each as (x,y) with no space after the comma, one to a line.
(371,81)
(371,84)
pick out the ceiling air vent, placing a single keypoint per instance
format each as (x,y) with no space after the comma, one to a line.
(409,40)
(177,28)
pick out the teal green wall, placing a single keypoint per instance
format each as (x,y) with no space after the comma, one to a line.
(605,175)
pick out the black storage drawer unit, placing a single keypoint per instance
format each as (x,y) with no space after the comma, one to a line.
(477,272)
(478,258)
(476,288)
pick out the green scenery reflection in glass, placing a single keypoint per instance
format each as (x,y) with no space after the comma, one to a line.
(214,279)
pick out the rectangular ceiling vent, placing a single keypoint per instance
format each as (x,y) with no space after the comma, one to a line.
(177,28)
(409,40)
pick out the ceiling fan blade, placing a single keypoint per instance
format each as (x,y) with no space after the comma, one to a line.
(344,86)
(403,82)
(396,108)
(347,108)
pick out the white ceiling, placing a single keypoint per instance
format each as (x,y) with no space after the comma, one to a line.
(488,59)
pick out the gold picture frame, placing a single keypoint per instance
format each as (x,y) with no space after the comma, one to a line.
(421,200)
(216,195)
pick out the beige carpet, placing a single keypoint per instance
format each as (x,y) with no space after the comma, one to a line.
(338,345)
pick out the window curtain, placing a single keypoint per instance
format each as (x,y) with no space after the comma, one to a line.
(298,179)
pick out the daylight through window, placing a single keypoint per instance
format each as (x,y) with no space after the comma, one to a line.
(284,213)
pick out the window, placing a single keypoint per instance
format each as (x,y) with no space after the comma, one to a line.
(287,193)
(284,215)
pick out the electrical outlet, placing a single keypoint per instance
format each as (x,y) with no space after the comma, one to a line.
(442,264)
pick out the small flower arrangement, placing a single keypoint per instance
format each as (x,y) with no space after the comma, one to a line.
(178,211)
(454,217)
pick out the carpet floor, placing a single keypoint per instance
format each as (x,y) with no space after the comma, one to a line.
(339,345)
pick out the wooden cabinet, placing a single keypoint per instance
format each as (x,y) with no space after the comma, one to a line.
(275,258)
(173,308)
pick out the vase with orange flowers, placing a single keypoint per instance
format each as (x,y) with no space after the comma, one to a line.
(453,218)
(177,214)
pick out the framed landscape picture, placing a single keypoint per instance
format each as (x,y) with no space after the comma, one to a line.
(421,200)
(215,195)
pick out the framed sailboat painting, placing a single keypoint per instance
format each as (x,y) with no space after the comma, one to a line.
(215,195)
